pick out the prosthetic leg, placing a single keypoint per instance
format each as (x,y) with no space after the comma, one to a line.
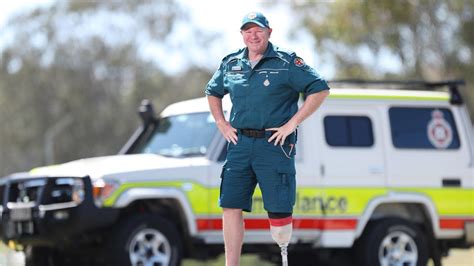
(281,229)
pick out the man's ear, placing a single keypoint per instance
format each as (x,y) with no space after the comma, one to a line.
(270,32)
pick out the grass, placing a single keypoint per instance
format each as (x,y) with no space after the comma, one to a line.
(10,258)
(246,260)
(457,258)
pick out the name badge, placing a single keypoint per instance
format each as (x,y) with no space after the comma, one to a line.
(236,68)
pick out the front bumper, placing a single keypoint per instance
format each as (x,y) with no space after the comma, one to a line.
(38,211)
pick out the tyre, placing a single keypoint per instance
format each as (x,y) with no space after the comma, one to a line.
(392,241)
(145,240)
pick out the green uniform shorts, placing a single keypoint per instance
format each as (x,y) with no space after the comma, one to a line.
(255,161)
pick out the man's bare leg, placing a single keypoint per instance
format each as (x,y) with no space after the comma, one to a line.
(233,226)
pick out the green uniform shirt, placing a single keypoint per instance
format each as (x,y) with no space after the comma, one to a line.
(267,95)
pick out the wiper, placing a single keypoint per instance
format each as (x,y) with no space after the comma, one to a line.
(181,155)
(192,154)
(166,155)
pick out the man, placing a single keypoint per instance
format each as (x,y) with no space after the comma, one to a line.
(264,83)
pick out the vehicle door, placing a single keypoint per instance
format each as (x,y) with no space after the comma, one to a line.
(352,164)
(430,153)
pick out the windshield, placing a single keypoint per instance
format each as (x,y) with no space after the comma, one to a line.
(182,135)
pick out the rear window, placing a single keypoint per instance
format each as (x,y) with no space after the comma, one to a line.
(348,131)
(423,128)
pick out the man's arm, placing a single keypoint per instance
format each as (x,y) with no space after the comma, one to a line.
(310,105)
(229,133)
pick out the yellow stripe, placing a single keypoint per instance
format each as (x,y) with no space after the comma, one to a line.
(197,194)
(334,201)
(448,201)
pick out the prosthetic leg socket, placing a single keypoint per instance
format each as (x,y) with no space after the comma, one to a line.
(281,230)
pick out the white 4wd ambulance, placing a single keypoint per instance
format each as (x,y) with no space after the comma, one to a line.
(385,174)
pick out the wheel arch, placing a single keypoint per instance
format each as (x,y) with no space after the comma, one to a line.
(173,198)
(403,205)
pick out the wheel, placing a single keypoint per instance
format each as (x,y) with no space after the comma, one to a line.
(392,241)
(145,240)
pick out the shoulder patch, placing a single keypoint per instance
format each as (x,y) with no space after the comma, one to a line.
(299,62)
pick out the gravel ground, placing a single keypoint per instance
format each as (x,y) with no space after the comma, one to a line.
(460,257)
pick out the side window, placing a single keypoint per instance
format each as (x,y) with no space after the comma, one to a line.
(423,128)
(348,131)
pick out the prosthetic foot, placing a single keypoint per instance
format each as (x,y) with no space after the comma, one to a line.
(281,230)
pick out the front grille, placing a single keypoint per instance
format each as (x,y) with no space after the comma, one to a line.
(42,191)
(26,191)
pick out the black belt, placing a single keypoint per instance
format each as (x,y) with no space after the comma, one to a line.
(253,133)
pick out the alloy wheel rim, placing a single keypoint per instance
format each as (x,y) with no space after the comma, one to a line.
(149,247)
(398,249)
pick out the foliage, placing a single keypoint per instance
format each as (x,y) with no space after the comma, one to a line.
(75,73)
(420,39)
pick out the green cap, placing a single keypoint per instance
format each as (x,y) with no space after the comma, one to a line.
(257,18)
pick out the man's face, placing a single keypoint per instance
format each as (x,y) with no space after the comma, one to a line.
(256,37)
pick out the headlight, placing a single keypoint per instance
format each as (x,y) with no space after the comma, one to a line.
(102,189)
(68,189)
(78,191)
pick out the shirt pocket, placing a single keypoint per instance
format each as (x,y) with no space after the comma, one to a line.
(234,79)
(238,96)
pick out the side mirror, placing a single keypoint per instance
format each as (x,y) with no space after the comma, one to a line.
(147,112)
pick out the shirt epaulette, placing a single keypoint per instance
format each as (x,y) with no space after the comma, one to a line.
(232,55)
(286,55)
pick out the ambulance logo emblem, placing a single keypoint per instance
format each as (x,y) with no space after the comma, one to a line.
(299,62)
(440,133)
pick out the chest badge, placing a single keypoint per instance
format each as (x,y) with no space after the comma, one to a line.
(236,68)
(266,83)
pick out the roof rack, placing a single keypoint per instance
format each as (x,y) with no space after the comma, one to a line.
(452,85)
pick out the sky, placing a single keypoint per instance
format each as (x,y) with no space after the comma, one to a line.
(228,23)
(224,18)
(221,17)
(9,8)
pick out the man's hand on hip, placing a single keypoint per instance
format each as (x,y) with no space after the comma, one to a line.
(282,132)
(229,133)
(312,102)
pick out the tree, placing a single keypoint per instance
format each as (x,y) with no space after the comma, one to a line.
(78,67)
(431,40)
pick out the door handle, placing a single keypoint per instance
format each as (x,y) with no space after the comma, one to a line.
(451,182)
